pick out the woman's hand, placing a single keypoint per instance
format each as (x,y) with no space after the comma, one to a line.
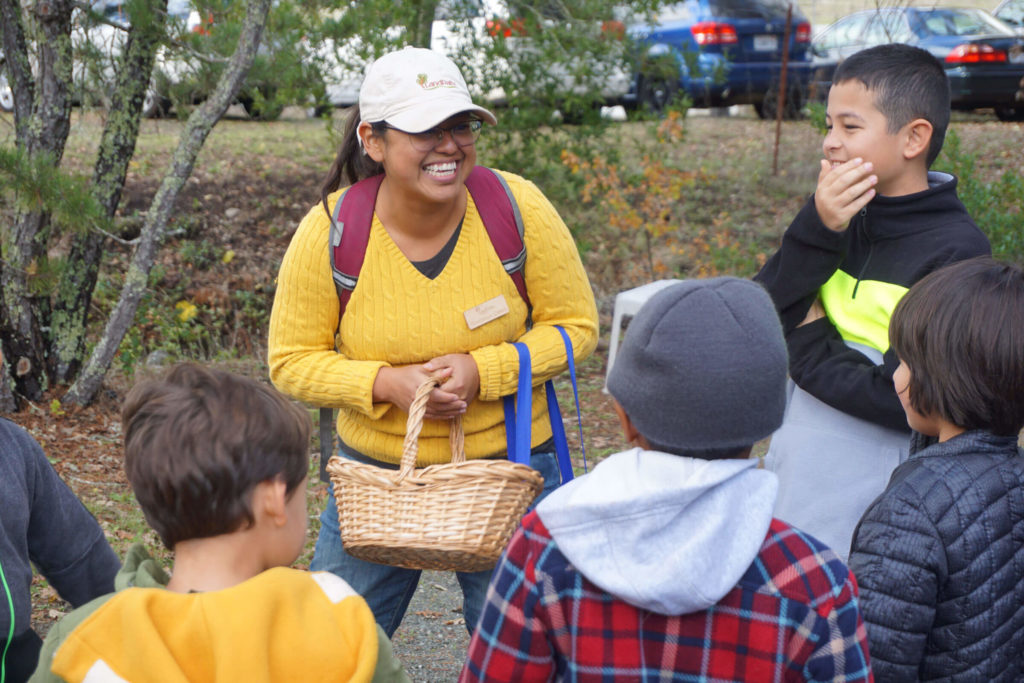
(398,385)
(464,378)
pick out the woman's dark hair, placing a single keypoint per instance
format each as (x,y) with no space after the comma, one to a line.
(960,331)
(198,441)
(351,164)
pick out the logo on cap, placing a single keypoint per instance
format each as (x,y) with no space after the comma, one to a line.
(421,80)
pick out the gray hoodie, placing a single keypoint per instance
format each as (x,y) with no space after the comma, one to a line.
(663,532)
(42,521)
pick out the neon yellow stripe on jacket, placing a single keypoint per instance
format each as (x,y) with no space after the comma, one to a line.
(864,318)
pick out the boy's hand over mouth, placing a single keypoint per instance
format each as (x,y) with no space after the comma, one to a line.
(843,190)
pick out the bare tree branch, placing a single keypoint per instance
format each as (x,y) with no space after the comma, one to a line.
(196,130)
(78,280)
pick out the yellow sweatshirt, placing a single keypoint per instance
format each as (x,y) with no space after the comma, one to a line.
(270,628)
(397,316)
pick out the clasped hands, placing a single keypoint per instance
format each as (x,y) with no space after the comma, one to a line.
(460,385)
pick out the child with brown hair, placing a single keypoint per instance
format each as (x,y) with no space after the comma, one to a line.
(218,464)
(940,554)
(879,221)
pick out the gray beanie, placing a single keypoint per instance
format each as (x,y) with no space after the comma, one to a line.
(703,366)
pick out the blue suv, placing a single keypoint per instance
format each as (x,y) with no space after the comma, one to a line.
(720,53)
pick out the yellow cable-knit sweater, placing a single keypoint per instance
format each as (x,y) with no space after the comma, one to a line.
(397,316)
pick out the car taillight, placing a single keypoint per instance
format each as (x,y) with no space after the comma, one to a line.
(803,32)
(975,53)
(202,27)
(714,33)
(507,29)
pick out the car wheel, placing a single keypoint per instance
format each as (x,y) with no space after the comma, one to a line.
(655,94)
(154,105)
(768,108)
(267,109)
(6,93)
(1010,113)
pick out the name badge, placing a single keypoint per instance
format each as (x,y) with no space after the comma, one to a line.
(492,309)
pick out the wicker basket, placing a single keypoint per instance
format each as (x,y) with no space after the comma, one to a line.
(456,516)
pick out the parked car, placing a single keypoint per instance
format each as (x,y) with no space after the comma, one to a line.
(720,53)
(983,57)
(467,31)
(98,44)
(282,71)
(1011,12)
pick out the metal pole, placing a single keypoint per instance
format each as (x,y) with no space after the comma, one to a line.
(782,89)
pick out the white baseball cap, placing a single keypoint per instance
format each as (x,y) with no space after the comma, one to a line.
(414,89)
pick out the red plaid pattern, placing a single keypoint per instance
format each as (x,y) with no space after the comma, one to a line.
(793,616)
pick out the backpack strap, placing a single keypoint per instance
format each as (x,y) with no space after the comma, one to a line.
(500,215)
(350,233)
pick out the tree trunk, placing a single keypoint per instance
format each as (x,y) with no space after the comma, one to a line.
(19,76)
(196,130)
(8,404)
(423,22)
(75,289)
(24,313)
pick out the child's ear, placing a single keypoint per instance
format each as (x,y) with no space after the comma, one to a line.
(628,428)
(270,501)
(918,139)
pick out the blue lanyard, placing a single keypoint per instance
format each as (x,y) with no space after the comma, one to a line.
(517,431)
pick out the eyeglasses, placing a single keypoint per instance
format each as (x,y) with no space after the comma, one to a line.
(464,133)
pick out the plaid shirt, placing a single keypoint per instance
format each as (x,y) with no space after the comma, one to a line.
(793,616)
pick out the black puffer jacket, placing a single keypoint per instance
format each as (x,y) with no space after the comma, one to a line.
(939,558)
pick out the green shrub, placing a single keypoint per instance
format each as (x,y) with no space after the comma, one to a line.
(995,206)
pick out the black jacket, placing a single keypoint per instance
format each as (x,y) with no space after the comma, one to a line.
(939,558)
(894,241)
(42,521)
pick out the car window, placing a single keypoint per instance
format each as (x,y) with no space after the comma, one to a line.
(887,27)
(1011,12)
(960,22)
(679,11)
(844,32)
(115,13)
(745,9)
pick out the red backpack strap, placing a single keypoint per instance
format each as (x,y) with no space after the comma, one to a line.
(500,215)
(350,233)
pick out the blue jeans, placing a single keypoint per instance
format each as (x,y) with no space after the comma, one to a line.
(388,590)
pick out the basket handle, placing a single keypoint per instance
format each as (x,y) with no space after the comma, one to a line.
(413,426)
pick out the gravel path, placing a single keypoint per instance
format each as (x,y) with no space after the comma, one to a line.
(432,640)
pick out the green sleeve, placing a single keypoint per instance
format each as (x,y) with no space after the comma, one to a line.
(58,633)
(388,667)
